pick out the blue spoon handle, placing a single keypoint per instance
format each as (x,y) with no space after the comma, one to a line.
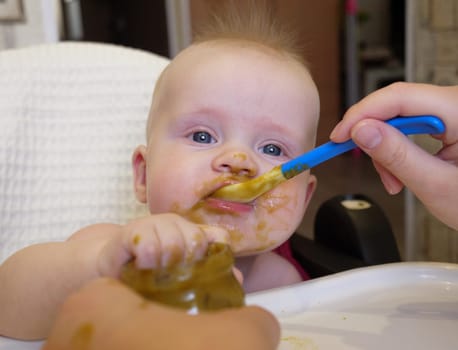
(423,124)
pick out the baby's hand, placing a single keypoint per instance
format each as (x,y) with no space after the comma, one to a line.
(168,239)
(159,241)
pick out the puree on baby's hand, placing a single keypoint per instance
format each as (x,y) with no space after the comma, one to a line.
(207,284)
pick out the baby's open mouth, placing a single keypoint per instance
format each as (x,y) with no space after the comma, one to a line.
(224,206)
(227,206)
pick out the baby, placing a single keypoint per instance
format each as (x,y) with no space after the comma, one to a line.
(230,107)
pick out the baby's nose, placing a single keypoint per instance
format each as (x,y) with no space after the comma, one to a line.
(238,163)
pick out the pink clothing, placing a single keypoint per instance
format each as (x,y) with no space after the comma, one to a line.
(284,251)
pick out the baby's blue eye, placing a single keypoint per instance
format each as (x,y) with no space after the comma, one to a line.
(202,137)
(272,150)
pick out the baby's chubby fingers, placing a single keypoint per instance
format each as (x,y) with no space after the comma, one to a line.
(216,234)
(198,238)
(165,240)
(194,240)
(140,239)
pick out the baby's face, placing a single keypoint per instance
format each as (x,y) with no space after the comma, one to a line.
(224,114)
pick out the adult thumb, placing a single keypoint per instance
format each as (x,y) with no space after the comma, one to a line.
(393,151)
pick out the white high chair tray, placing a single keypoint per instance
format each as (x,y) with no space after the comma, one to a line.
(393,306)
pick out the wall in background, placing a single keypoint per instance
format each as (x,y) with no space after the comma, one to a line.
(374,18)
(436,42)
(141,24)
(435,60)
(41,24)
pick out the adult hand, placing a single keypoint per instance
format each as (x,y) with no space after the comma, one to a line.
(107,315)
(433,178)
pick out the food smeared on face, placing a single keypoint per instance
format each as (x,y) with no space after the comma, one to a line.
(240,156)
(273,202)
(136,239)
(248,224)
(261,226)
(247,191)
(252,227)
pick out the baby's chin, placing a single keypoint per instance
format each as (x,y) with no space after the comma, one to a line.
(246,237)
(253,243)
(253,248)
(249,233)
(242,252)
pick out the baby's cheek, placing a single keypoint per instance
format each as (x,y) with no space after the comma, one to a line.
(283,212)
(296,192)
(281,205)
(163,195)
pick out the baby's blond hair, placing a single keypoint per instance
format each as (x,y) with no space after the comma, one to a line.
(251,21)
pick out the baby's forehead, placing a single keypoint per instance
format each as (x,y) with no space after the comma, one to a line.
(207,49)
(212,51)
(231,47)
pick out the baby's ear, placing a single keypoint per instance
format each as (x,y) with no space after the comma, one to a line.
(139,168)
(311,187)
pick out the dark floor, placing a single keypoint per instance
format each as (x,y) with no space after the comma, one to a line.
(354,173)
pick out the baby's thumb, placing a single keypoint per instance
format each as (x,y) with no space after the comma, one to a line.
(216,234)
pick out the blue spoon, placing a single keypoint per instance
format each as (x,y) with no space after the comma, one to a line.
(245,192)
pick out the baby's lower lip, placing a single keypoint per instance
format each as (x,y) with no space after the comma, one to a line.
(227,206)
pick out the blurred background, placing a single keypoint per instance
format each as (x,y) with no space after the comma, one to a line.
(353,47)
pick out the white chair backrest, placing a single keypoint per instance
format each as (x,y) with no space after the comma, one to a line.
(70,116)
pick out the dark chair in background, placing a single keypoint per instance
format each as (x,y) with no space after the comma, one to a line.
(350,231)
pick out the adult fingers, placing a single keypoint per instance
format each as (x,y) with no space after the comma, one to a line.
(432,179)
(391,182)
(405,99)
(395,152)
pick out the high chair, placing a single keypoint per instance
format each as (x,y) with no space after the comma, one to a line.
(71,115)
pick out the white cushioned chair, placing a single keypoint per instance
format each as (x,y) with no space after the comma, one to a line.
(70,116)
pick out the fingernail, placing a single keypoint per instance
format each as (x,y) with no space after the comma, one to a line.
(367,136)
